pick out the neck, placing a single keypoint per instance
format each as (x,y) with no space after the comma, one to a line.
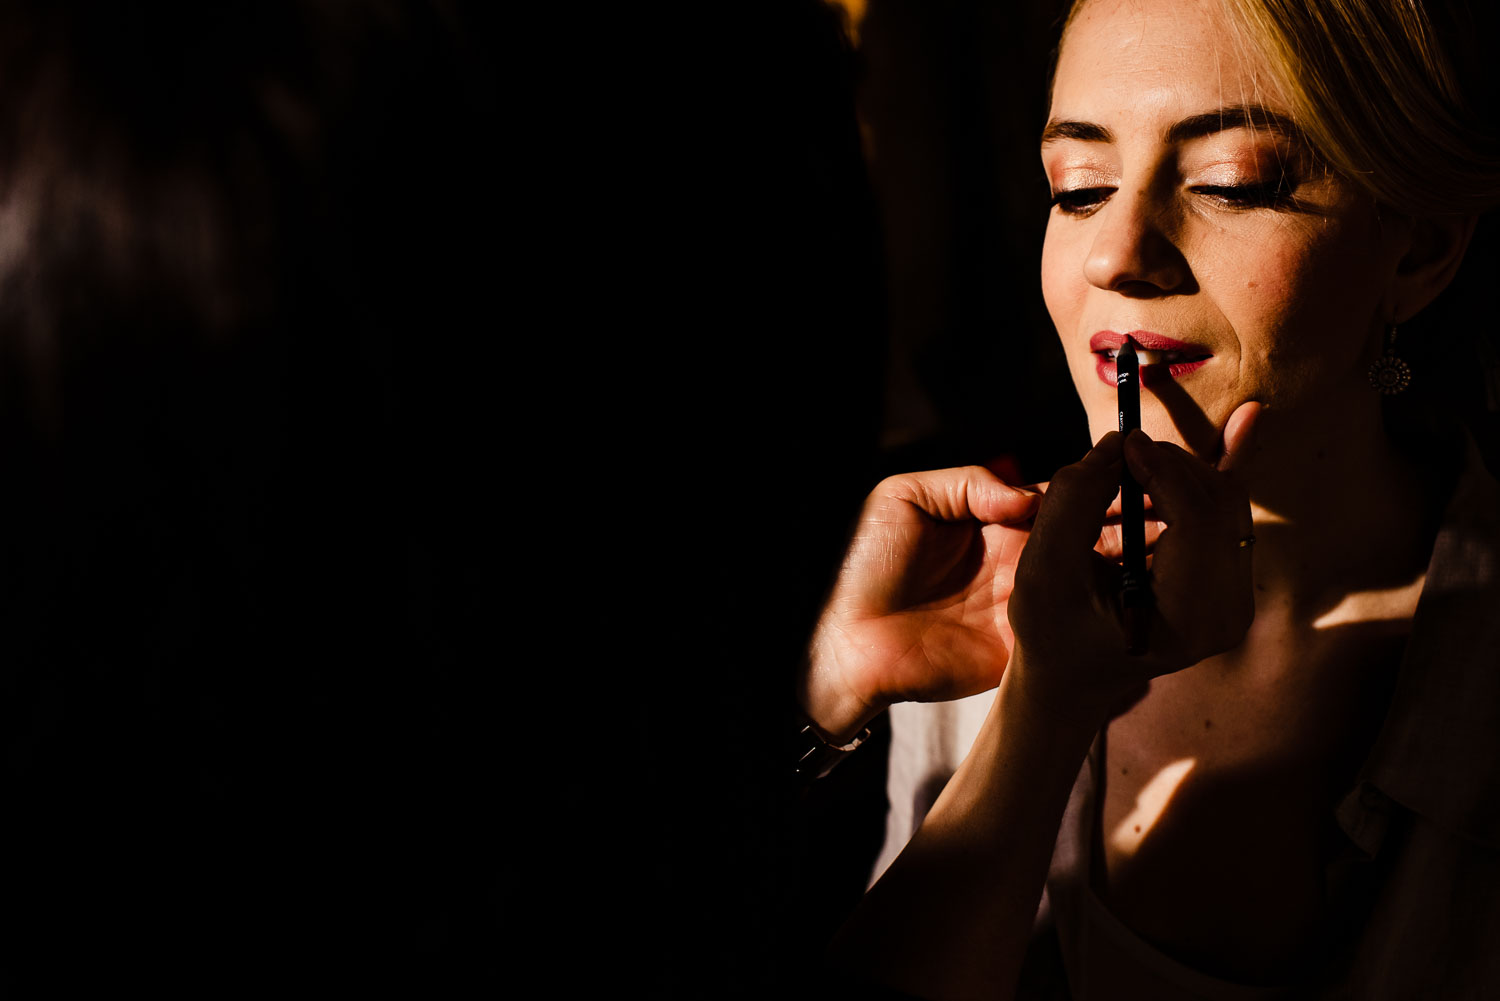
(1337,506)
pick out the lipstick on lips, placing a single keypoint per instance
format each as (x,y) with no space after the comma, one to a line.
(1153,350)
(1135,584)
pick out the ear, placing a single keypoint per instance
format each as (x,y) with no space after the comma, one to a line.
(1431,260)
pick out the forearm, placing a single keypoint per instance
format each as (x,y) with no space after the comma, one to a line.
(951,918)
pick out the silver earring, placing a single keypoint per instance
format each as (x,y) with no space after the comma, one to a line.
(1389,374)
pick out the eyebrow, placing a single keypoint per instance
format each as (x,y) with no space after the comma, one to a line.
(1235,116)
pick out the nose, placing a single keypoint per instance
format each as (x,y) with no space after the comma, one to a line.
(1133,252)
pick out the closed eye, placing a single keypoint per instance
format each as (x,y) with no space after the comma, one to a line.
(1081,201)
(1248,196)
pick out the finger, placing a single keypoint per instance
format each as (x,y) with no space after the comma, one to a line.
(1169,474)
(1111,544)
(1115,510)
(1067,526)
(1239,436)
(1220,492)
(1239,441)
(963,493)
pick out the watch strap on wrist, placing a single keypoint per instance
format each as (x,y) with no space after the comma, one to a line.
(816,757)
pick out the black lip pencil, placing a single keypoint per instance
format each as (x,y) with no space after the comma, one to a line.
(1135,592)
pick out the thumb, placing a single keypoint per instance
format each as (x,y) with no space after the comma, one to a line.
(967,492)
(1239,436)
(996,502)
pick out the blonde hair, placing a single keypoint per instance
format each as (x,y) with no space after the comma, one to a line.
(1389,92)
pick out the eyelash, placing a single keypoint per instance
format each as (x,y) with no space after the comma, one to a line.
(1082,202)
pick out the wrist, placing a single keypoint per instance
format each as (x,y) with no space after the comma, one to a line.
(815,756)
(1071,713)
(829,702)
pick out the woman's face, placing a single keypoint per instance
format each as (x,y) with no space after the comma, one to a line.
(1190,214)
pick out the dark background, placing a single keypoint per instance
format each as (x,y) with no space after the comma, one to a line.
(251,364)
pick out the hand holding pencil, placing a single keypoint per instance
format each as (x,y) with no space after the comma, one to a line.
(1069,608)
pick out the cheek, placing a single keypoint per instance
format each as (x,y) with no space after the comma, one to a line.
(1262,296)
(1059,281)
(1064,288)
(1065,292)
(1305,307)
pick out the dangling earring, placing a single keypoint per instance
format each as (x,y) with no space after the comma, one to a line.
(1389,374)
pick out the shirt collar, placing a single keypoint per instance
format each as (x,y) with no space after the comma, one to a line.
(1438,753)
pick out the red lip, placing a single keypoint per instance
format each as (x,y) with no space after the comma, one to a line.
(1106,340)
